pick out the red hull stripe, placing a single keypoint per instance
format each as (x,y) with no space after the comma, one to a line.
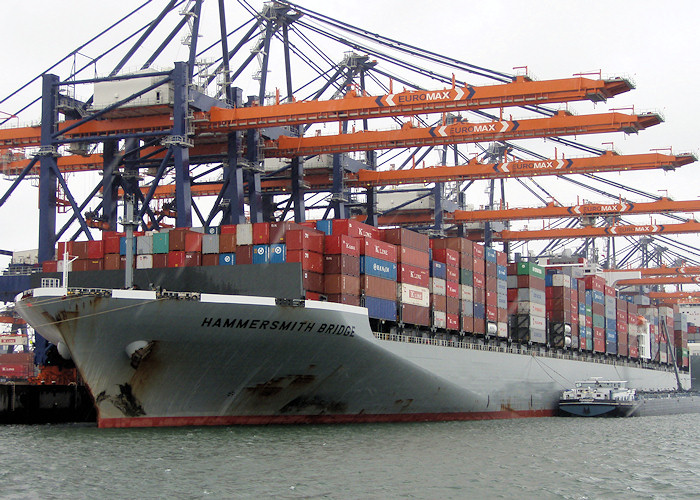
(316,419)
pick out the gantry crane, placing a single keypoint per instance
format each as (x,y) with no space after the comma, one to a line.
(598,232)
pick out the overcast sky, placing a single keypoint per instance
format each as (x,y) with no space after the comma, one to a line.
(653,43)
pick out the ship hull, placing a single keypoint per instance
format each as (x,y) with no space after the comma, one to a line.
(226,359)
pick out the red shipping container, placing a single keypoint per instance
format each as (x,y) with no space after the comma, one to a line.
(478,250)
(595,283)
(344,298)
(479,295)
(501,258)
(244,254)
(16,370)
(438,302)
(88,265)
(159,260)
(413,257)
(261,233)
(312,281)
(451,305)
(634,352)
(176,239)
(310,261)
(413,275)
(468,323)
(502,315)
(414,315)
(452,289)
(341,284)
(341,264)
(378,249)
(452,321)
(491,299)
(278,231)
(355,229)
(111,244)
(479,281)
(447,256)
(466,262)
(599,333)
(491,313)
(479,265)
(49,266)
(452,273)
(491,284)
(305,239)
(462,245)
(342,244)
(380,288)
(479,325)
(527,281)
(227,242)
(112,261)
(80,249)
(95,249)
(193,242)
(407,238)
(227,229)
(210,259)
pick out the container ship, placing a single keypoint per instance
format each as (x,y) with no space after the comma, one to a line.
(338,321)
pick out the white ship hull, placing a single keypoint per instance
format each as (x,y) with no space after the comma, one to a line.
(226,359)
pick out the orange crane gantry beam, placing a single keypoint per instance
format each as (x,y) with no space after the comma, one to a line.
(662,271)
(521,91)
(561,124)
(551,211)
(597,232)
(607,162)
(673,295)
(660,280)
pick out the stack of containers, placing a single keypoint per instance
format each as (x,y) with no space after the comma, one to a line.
(575,326)
(377,267)
(479,287)
(491,277)
(465,251)
(651,314)
(595,287)
(585,318)
(185,248)
(227,244)
(296,243)
(622,328)
(558,308)
(413,276)
(665,318)
(450,258)
(110,243)
(680,337)
(502,293)
(341,263)
(244,244)
(633,330)
(526,302)
(610,320)
(90,255)
(438,297)
(161,248)
(210,247)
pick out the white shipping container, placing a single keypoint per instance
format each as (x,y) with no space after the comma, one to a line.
(467,293)
(502,329)
(561,280)
(439,319)
(437,286)
(144,261)
(413,295)
(538,322)
(144,245)
(63,264)
(538,335)
(210,243)
(244,234)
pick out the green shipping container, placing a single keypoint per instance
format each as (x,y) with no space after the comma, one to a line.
(530,269)
(466,277)
(161,242)
(598,321)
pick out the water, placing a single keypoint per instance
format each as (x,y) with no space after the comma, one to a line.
(647,457)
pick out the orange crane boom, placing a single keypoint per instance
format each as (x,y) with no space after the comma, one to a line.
(561,124)
(662,271)
(660,280)
(607,162)
(551,211)
(521,91)
(597,232)
(674,295)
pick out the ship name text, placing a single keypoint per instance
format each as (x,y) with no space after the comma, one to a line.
(281,326)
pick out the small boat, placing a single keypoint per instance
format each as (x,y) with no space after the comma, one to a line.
(599,398)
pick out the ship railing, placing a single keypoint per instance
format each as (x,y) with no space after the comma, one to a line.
(396,337)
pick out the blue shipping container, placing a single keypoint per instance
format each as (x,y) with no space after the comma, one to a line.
(227,259)
(438,270)
(490,255)
(261,254)
(479,310)
(381,308)
(611,347)
(376,267)
(611,323)
(598,297)
(581,308)
(122,245)
(611,335)
(325,226)
(589,297)
(278,253)
(502,273)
